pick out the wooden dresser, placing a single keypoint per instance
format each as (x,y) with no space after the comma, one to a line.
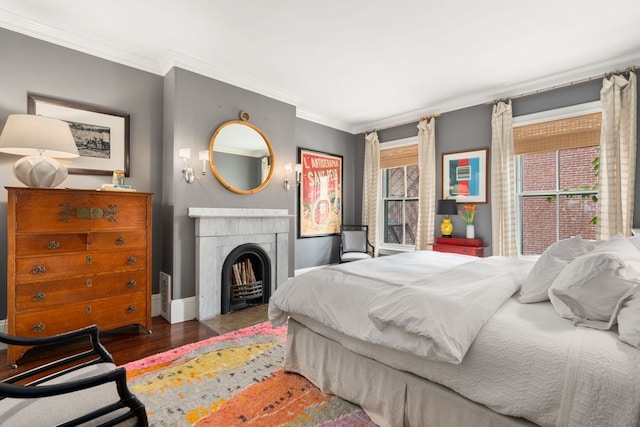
(75,258)
(459,245)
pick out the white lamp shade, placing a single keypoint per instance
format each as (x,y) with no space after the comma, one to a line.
(184,153)
(40,138)
(203,155)
(28,135)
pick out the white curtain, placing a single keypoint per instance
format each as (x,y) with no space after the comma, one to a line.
(370,184)
(618,144)
(503,179)
(427,186)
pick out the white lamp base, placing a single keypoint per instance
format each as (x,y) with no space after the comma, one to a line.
(40,171)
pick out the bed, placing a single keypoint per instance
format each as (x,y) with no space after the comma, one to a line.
(436,339)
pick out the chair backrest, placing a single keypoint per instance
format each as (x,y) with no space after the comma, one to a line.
(354,238)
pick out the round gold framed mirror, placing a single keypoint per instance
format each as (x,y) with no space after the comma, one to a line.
(241,156)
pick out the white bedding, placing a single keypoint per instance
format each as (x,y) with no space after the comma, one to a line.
(429,306)
(526,361)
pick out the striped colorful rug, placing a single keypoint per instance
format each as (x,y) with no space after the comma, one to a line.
(235,379)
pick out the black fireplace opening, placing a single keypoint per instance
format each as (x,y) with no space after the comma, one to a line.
(246,278)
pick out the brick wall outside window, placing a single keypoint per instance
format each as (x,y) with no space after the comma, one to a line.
(544,222)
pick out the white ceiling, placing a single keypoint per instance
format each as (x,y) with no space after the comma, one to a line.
(354,65)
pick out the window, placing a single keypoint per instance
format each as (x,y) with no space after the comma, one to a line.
(557,161)
(400,179)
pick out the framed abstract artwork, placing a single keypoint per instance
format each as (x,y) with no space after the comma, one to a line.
(320,212)
(101,135)
(464,176)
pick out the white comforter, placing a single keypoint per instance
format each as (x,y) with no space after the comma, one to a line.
(431,306)
(526,361)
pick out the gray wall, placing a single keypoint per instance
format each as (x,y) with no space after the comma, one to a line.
(200,106)
(30,65)
(313,251)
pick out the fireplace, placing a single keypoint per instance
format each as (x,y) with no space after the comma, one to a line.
(219,232)
(246,277)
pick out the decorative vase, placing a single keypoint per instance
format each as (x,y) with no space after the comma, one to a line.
(471,231)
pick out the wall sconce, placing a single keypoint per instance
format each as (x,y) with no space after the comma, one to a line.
(204,157)
(287,171)
(298,173)
(187,171)
(39,139)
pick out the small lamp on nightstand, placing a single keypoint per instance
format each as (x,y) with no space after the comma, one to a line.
(446,207)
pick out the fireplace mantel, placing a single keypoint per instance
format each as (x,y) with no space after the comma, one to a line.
(220,230)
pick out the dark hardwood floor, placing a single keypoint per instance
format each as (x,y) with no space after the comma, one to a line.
(132,342)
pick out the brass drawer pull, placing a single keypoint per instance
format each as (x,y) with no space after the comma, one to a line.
(121,241)
(89,259)
(89,283)
(131,283)
(131,260)
(89,309)
(131,309)
(38,297)
(38,327)
(53,245)
(39,269)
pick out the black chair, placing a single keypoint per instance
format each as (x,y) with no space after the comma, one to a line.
(354,243)
(84,388)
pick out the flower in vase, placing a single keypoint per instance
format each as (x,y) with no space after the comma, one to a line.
(469,213)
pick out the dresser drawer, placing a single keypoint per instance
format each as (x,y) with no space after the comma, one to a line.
(47,268)
(121,240)
(45,295)
(461,250)
(50,244)
(55,211)
(45,210)
(107,313)
(122,213)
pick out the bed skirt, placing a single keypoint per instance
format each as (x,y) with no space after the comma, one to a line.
(392,398)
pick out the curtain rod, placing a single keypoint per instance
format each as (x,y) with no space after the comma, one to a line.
(429,117)
(568,84)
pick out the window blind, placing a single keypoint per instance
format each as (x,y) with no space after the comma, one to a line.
(562,134)
(399,156)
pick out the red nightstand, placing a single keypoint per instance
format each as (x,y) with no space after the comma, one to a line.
(459,245)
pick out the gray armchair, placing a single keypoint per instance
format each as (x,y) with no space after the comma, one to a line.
(354,243)
(84,388)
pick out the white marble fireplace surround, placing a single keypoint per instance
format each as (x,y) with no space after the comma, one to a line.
(219,231)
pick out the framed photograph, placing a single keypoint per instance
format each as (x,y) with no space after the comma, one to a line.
(320,212)
(101,135)
(464,176)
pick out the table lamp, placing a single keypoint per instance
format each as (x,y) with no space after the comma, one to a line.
(446,207)
(39,139)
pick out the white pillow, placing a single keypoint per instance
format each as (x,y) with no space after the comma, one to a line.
(591,289)
(635,241)
(629,320)
(549,265)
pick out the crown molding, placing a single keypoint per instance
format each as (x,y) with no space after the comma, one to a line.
(81,43)
(553,81)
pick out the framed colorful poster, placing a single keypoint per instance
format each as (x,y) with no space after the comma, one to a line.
(464,176)
(101,135)
(320,212)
